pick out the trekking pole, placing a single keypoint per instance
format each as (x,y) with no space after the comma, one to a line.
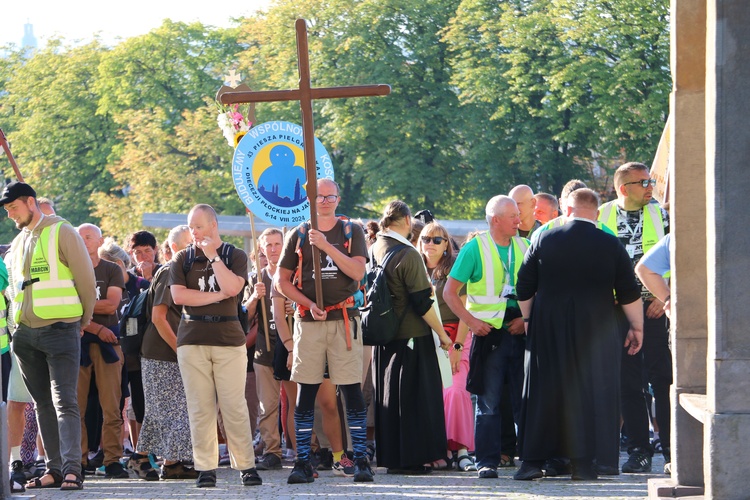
(258,270)
(6,147)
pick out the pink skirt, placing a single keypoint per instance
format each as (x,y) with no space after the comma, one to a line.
(459,412)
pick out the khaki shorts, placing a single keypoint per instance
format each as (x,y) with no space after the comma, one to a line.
(318,341)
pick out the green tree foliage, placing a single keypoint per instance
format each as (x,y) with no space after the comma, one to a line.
(485,95)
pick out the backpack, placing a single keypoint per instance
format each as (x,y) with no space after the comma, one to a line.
(302,229)
(226,255)
(134,322)
(379,321)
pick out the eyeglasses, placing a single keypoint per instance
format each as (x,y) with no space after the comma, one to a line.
(330,198)
(645,183)
(432,239)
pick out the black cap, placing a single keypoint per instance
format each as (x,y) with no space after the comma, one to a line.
(15,190)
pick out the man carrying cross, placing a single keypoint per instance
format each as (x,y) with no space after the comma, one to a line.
(328,334)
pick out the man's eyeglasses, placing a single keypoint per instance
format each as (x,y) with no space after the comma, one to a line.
(434,239)
(645,183)
(330,198)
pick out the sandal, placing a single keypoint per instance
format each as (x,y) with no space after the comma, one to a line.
(38,482)
(466,463)
(442,464)
(507,461)
(72,484)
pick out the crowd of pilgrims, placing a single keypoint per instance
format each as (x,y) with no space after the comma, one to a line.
(134,414)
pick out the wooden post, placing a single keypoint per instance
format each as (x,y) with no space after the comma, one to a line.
(257,271)
(6,147)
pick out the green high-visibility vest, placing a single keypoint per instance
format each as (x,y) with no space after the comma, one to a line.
(4,339)
(54,296)
(653,224)
(483,298)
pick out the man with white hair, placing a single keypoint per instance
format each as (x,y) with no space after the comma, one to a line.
(488,266)
(102,355)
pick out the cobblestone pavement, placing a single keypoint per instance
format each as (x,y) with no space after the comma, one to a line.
(439,484)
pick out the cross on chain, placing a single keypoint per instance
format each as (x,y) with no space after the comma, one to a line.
(305,95)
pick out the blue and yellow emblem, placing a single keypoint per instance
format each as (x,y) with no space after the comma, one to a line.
(268,172)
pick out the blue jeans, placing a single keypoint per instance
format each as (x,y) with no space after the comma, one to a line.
(49,358)
(503,363)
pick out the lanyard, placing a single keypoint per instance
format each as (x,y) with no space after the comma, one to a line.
(508,274)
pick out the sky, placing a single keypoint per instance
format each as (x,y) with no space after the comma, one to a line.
(81,19)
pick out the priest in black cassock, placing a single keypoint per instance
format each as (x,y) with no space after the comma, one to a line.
(574,341)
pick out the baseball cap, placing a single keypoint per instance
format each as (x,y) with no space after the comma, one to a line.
(15,190)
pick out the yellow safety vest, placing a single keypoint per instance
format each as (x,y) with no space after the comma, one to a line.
(53,292)
(483,298)
(653,224)
(4,339)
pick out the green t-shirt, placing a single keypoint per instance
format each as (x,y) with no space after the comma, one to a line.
(468,265)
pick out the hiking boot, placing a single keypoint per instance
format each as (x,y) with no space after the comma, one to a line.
(17,477)
(140,465)
(269,461)
(301,473)
(250,477)
(206,479)
(344,467)
(178,471)
(638,462)
(115,470)
(362,471)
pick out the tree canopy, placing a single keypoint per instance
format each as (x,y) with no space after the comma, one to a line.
(485,95)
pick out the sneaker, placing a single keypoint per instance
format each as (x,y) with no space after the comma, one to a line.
(17,477)
(206,479)
(487,472)
(269,461)
(115,470)
(178,471)
(97,460)
(140,465)
(34,469)
(344,467)
(362,471)
(638,462)
(250,477)
(528,472)
(301,473)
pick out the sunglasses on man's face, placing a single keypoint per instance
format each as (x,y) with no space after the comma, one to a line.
(432,239)
(645,183)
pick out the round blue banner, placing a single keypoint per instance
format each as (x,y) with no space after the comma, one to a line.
(268,172)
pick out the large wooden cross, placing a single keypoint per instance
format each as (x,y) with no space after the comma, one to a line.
(305,95)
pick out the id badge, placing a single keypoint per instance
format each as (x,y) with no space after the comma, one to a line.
(508,291)
(631,250)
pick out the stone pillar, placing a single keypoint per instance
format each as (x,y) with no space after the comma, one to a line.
(727,429)
(688,227)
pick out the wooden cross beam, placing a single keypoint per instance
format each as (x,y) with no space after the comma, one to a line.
(305,94)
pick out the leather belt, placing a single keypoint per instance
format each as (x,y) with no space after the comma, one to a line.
(210,319)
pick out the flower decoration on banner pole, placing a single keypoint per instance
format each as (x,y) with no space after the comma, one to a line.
(234,120)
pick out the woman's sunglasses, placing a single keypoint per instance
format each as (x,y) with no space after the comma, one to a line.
(434,239)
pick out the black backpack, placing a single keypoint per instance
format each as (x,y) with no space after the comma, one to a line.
(226,255)
(379,321)
(134,322)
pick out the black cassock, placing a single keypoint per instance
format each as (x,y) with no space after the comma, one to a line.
(571,394)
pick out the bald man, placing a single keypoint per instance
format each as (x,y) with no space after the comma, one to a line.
(523,195)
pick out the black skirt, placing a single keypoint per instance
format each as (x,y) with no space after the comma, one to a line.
(409,415)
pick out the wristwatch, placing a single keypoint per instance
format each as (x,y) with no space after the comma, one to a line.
(458,346)
(215,259)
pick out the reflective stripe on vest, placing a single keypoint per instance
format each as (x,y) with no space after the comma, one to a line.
(54,296)
(653,224)
(483,299)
